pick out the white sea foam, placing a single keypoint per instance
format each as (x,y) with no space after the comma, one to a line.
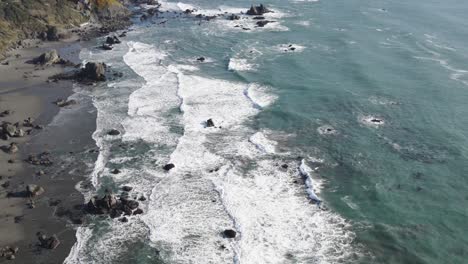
(211,188)
(236,64)
(311,184)
(290,48)
(262,143)
(327,130)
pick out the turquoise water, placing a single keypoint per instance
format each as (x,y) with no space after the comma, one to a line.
(395,192)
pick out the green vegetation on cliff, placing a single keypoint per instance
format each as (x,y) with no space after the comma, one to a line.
(20,19)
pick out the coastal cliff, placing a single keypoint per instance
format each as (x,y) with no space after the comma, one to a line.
(51,19)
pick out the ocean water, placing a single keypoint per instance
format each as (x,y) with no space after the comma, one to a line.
(367,112)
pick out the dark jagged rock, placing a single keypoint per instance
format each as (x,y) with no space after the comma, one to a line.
(123,219)
(210,123)
(284,166)
(112,206)
(201,59)
(115,171)
(259,18)
(258,10)
(229,233)
(138,211)
(168,167)
(142,198)
(111,40)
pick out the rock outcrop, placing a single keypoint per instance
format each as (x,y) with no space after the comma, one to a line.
(47,58)
(51,242)
(114,207)
(34,190)
(258,10)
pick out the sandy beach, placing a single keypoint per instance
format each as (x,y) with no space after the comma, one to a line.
(26,93)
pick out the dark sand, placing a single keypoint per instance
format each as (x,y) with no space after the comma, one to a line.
(24,90)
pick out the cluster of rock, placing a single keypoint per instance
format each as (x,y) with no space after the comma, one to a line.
(51,57)
(110,41)
(9,252)
(11,130)
(115,206)
(42,159)
(46,242)
(91,73)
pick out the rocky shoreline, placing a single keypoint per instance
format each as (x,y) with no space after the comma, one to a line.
(42,163)
(46,162)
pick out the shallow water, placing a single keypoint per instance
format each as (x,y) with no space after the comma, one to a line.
(367,112)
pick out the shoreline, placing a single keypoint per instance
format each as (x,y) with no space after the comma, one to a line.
(27,92)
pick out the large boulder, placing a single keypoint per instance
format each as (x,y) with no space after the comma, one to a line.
(9,129)
(258,10)
(94,71)
(47,58)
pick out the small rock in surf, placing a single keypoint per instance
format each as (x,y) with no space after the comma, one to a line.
(229,233)
(168,167)
(210,123)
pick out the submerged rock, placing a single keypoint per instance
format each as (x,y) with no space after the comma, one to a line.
(263,23)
